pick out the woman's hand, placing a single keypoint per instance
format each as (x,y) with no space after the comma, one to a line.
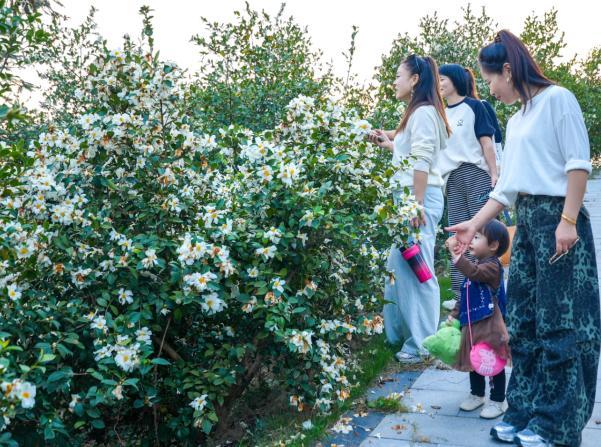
(380,138)
(565,236)
(493,180)
(464,233)
(420,220)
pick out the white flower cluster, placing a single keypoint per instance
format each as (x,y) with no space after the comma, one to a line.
(19,391)
(301,341)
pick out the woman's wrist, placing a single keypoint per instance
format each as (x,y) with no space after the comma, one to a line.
(566,218)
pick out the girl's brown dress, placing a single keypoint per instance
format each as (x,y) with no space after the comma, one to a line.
(491,330)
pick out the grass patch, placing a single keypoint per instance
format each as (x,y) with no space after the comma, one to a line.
(446,293)
(373,358)
(388,405)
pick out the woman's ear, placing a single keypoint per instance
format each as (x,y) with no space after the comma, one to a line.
(414,80)
(507,72)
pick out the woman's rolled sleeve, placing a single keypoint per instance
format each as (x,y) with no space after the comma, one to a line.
(573,138)
(501,193)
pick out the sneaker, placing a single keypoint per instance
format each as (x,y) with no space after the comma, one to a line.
(449,304)
(527,438)
(493,410)
(471,403)
(504,432)
(404,357)
(439,364)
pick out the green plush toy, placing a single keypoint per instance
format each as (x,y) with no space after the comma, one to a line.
(445,344)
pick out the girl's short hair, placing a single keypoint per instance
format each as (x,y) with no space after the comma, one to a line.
(456,73)
(496,231)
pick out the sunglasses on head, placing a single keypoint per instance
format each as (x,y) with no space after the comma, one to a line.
(415,58)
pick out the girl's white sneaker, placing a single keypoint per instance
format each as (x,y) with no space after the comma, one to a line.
(471,403)
(493,410)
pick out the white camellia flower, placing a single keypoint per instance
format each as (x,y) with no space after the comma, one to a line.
(199,403)
(26,393)
(266,173)
(253,272)
(143,335)
(126,359)
(252,153)
(99,323)
(118,392)
(125,296)
(25,250)
(266,252)
(226,227)
(301,341)
(278,284)
(200,281)
(14,293)
(151,258)
(87,121)
(248,307)
(274,235)
(212,304)
(288,173)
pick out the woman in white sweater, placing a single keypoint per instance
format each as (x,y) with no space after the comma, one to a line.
(415,307)
(553,292)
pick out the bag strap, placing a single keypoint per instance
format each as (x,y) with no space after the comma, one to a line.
(469,321)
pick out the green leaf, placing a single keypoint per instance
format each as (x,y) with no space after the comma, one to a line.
(160,361)
(47,358)
(98,423)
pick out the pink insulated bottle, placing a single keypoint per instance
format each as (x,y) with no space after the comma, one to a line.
(413,255)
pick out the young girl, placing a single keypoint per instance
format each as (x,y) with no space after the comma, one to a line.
(553,313)
(484,281)
(414,310)
(468,163)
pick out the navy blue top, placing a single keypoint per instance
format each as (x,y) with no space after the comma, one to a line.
(481,300)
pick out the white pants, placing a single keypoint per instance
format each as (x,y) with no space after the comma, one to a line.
(414,308)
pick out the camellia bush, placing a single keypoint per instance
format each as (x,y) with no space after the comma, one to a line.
(150,274)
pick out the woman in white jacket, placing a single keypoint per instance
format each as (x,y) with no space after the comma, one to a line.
(553,312)
(413,310)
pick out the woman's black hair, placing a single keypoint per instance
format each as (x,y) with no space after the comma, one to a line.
(507,48)
(496,231)
(456,73)
(472,91)
(427,89)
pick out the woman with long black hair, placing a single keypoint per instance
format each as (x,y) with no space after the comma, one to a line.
(414,308)
(553,312)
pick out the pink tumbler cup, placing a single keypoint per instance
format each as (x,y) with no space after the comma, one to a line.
(413,255)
